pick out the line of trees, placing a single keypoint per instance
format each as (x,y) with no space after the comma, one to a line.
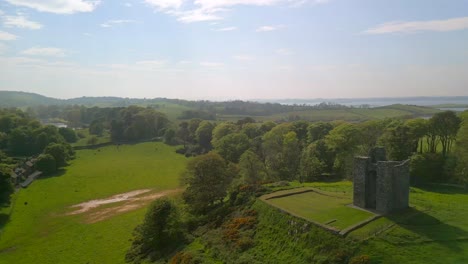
(310,151)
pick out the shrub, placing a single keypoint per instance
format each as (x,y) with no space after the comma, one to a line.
(46,163)
(362,259)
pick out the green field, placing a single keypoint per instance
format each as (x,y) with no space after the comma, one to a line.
(329,209)
(39,231)
(347,114)
(433,230)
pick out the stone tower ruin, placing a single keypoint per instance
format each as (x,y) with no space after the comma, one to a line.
(379,184)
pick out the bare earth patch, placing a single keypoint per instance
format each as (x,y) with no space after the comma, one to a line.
(124,202)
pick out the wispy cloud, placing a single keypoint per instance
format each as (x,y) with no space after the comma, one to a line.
(226,29)
(7,36)
(284,52)
(189,11)
(417,26)
(111,23)
(20,21)
(269,28)
(211,64)
(165,4)
(46,52)
(128,4)
(243,57)
(58,6)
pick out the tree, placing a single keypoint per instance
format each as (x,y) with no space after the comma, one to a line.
(68,134)
(169,136)
(46,163)
(207,177)
(183,132)
(159,233)
(252,169)
(93,140)
(461,150)
(291,156)
(231,146)
(446,125)
(250,130)
(96,128)
(60,153)
(418,129)
(204,135)
(344,141)
(317,131)
(399,142)
(311,167)
(222,130)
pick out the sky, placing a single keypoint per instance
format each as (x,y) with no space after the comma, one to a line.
(234,49)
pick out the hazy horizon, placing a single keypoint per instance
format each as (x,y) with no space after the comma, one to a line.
(234,49)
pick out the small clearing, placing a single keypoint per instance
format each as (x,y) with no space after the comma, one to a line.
(117,204)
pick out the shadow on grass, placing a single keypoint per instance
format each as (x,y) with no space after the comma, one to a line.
(4,218)
(58,173)
(443,189)
(418,227)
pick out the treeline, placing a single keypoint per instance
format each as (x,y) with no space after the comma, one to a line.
(310,151)
(80,115)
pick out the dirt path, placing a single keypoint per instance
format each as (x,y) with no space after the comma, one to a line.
(117,204)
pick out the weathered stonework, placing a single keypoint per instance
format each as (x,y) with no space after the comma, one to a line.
(379,184)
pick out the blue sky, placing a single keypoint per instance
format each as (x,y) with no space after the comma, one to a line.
(234,49)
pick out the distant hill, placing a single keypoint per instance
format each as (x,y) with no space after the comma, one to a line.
(23,99)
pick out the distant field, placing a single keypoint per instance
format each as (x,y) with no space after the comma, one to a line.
(331,210)
(349,114)
(40,231)
(84,141)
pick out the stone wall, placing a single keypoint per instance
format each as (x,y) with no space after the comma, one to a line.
(360,173)
(391,182)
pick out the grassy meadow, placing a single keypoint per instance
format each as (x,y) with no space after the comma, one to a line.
(39,229)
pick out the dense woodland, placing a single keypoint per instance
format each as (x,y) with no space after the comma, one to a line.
(232,160)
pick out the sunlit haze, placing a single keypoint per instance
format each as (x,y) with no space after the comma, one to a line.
(234,49)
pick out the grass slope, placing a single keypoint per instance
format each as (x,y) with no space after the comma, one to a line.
(39,232)
(433,230)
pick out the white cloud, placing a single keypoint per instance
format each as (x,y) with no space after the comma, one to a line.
(209,10)
(269,28)
(58,6)
(20,21)
(165,4)
(226,29)
(7,36)
(284,52)
(416,26)
(110,23)
(211,64)
(46,52)
(128,4)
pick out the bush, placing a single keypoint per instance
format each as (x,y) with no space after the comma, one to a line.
(46,163)
(427,167)
(159,233)
(362,259)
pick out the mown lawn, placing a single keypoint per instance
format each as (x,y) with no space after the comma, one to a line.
(38,230)
(331,210)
